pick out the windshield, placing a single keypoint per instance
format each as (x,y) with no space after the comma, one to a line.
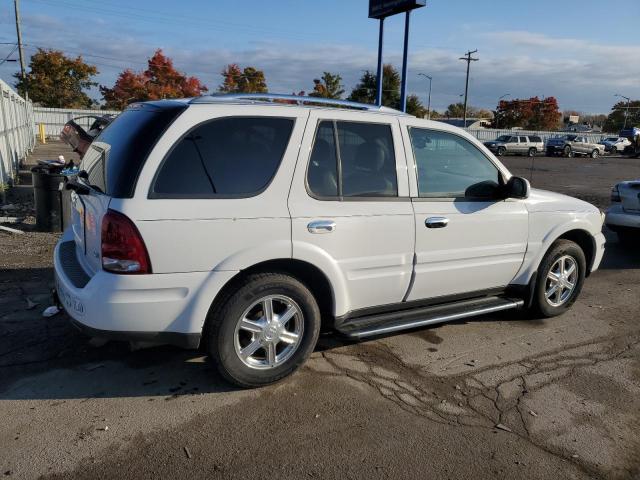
(611,139)
(571,137)
(115,158)
(503,138)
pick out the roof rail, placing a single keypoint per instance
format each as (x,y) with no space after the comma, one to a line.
(299,100)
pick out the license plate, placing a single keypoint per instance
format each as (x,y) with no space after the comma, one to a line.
(70,302)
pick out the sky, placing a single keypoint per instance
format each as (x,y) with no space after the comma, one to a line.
(582,52)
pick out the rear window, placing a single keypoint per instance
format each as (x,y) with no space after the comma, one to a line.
(115,158)
(228,157)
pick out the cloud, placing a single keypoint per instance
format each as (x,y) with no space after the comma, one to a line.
(582,75)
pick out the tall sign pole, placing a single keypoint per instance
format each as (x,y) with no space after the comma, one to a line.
(380,73)
(467,58)
(403,88)
(381,9)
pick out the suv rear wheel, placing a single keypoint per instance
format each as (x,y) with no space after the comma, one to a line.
(595,153)
(560,277)
(532,152)
(264,331)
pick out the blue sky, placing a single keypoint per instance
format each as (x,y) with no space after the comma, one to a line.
(570,49)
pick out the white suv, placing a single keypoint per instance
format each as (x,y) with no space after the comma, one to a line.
(244,223)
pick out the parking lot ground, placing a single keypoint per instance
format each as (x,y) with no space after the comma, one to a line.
(500,396)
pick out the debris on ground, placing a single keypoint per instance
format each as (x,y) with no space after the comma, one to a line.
(187,452)
(91,368)
(11,230)
(503,427)
(31,304)
(532,413)
(11,219)
(51,311)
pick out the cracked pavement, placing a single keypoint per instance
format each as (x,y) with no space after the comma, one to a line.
(499,396)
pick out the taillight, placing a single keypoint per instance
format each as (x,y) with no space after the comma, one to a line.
(123,250)
(615,194)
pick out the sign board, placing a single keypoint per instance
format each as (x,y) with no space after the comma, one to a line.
(385,8)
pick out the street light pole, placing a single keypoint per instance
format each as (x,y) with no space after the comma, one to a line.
(626,113)
(429,96)
(23,73)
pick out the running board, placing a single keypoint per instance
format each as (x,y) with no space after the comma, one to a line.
(385,323)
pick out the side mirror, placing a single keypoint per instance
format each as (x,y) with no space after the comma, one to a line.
(517,187)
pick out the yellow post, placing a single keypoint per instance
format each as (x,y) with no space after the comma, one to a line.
(43,137)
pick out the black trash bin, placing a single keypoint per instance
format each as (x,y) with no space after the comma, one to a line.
(52,201)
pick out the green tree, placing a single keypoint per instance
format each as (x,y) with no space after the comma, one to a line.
(456,110)
(57,81)
(415,106)
(327,86)
(365,90)
(615,120)
(247,80)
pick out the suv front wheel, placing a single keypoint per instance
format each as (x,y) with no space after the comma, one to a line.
(264,331)
(560,277)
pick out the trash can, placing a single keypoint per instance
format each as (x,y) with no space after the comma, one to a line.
(52,201)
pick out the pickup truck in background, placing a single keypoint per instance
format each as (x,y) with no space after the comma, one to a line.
(570,145)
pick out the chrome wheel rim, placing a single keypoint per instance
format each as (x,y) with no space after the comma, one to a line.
(269,332)
(561,281)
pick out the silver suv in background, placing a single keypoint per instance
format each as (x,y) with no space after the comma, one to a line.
(516,145)
(571,145)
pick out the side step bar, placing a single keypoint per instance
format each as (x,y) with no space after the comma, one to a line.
(385,323)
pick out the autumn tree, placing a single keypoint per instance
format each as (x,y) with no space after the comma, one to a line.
(160,80)
(615,120)
(365,90)
(247,80)
(57,81)
(531,114)
(328,86)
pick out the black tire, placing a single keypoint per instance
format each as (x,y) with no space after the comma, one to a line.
(550,153)
(568,152)
(595,153)
(613,150)
(501,151)
(532,152)
(223,319)
(560,248)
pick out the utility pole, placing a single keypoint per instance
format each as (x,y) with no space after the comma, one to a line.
(429,98)
(23,72)
(467,58)
(626,113)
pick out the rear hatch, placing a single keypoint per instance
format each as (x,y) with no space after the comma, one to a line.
(113,162)
(630,196)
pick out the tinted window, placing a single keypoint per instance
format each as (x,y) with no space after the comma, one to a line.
(116,156)
(322,175)
(365,167)
(523,139)
(535,139)
(367,159)
(235,156)
(450,166)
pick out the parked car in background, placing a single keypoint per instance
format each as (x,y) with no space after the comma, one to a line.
(615,144)
(570,145)
(516,145)
(623,216)
(241,224)
(77,137)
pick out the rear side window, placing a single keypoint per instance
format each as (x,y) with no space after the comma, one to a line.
(535,139)
(115,158)
(352,159)
(227,157)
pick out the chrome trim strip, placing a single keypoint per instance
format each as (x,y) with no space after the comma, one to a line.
(441,319)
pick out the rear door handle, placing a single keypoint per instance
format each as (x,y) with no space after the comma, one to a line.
(436,222)
(321,226)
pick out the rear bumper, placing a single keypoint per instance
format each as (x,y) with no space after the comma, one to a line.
(617,217)
(156,308)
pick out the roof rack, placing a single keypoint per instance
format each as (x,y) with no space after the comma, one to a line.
(298,100)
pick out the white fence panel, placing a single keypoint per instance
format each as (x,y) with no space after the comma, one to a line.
(54,119)
(486,134)
(17,139)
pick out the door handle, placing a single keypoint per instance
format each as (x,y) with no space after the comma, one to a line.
(436,222)
(321,226)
